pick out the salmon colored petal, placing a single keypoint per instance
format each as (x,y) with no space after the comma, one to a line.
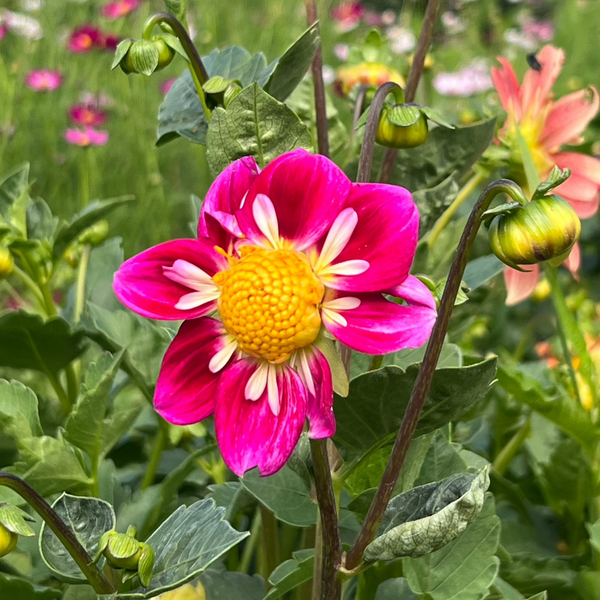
(569,117)
(186,389)
(537,85)
(573,261)
(385,236)
(307,192)
(248,432)
(223,199)
(584,209)
(379,326)
(582,195)
(520,285)
(141,284)
(580,164)
(506,84)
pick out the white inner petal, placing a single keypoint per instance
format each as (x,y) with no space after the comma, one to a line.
(272,390)
(333,316)
(266,218)
(346,303)
(338,237)
(195,299)
(348,267)
(258,382)
(221,358)
(190,275)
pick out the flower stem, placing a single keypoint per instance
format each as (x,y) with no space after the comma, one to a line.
(79,554)
(270,535)
(81,276)
(327,567)
(250,546)
(463,194)
(159,446)
(426,372)
(414,76)
(319,85)
(30,284)
(197,68)
(508,452)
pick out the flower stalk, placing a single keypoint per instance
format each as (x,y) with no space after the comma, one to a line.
(79,554)
(423,382)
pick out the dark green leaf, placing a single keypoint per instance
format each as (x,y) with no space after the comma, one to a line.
(291,573)
(13,588)
(41,225)
(481,270)
(186,544)
(96,210)
(232,586)
(254,124)
(285,494)
(432,202)
(371,415)
(395,589)
(465,568)
(14,196)
(293,65)
(442,460)
(27,342)
(427,518)
(88,519)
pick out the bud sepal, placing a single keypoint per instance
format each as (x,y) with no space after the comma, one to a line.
(13,523)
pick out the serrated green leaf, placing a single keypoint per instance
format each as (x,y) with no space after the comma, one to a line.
(285,494)
(371,415)
(93,212)
(291,67)
(88,519)
(20,405)
(427,518)
(465,568)
(254,124)
(186,544)
(291,573)
(29,342)
(442,460)
(432,202)
(14,588)
(227,585)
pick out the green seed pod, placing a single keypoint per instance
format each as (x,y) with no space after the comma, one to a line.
(544,229)
(7,263)
(392,134)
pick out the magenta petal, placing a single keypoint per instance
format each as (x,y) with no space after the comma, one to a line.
(386,237)
(186,390)
(140,283)
(223,199)
(248,433)
(379,326)
(320,404)
(308,192)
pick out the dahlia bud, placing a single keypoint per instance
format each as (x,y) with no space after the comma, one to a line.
(94,235)
(12,525)
(8,541)
(541,230)
(401,126)
(7,263)
(146,56)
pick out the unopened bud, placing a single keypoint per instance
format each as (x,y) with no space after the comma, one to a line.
(144,56)
(541,230)
(8,541)
(7,263)
(391,131)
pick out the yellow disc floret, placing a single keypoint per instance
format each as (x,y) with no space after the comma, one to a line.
(269,302)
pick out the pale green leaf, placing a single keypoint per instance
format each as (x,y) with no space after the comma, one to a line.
(291,573)
(20,405)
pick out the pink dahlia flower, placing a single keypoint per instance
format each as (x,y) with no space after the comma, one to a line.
(121,8)
(85,114)
(85,39)
(282,254)
(546,125)
(43,80)
(86,137)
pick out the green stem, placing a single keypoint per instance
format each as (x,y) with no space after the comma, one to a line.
(79,554)
(30,284)
(81,277)
(159,446)
(463,194)
(270,543)
(506,455)
(196,66)
(426,372)
(251,544)
(84,178)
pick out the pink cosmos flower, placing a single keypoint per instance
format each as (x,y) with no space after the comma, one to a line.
(347,16)
(110,41)
(283,254)
(86,137)
(118,9)
(165,86)
(546,125)
(85,39)
(3,30)
(85,114)
(43,80)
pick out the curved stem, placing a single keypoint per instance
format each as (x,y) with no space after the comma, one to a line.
(319,85)
(463,194)
(331,546)
(79,554)
(197,68)
(508,452)
(416,70)
(426,372)
(159,446)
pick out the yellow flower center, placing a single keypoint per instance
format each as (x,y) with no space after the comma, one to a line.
(269,302)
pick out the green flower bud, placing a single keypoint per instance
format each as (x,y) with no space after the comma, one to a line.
(144,56)
(8,541)
(393,134)
(7,263)
(544,229)
(13,523)
(96,234)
